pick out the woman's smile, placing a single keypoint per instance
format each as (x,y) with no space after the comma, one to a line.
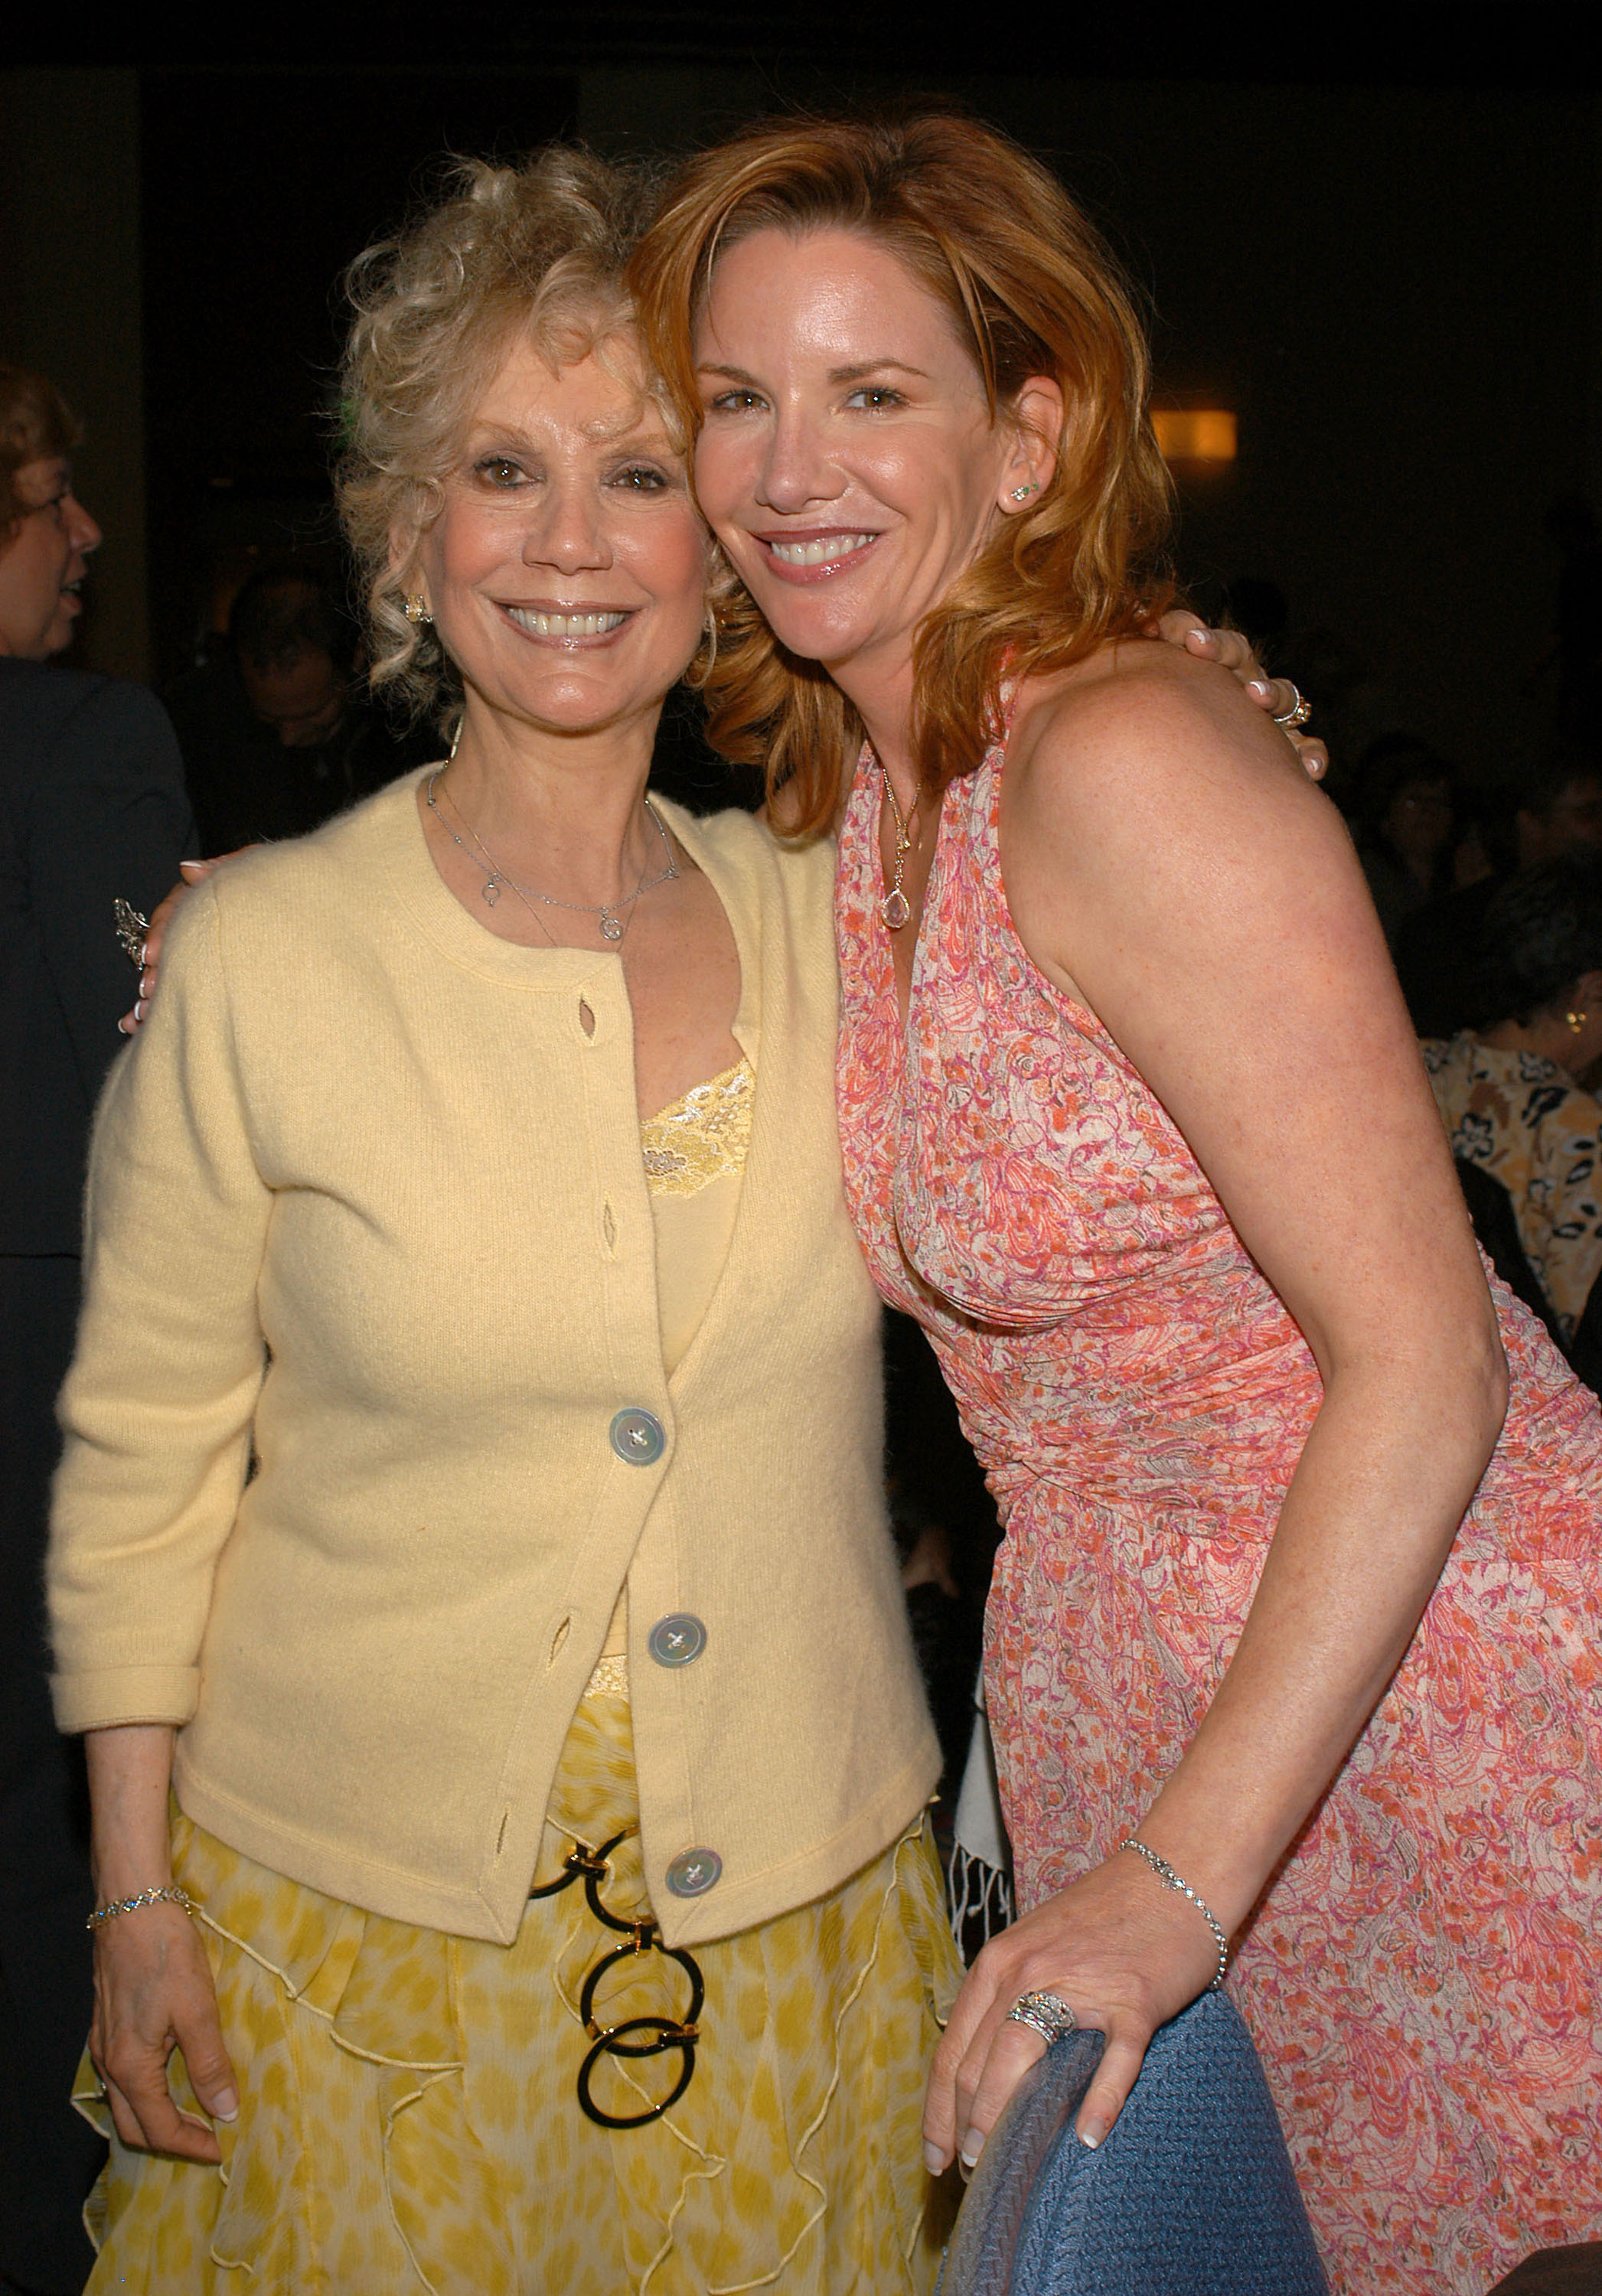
(808,554)
(569,626)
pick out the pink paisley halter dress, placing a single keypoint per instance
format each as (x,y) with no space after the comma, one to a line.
(1419,1975)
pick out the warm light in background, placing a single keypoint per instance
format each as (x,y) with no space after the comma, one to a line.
(1194,434)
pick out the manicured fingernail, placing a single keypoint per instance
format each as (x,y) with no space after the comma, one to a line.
(934,2159)
(973,2145)
(140,1009)
(1261,687)
(143,947)
(1091,2134)
(226,2107)
(188,868)
(147,981)
(123,1029)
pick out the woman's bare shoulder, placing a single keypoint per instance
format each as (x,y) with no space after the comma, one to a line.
(1140,724)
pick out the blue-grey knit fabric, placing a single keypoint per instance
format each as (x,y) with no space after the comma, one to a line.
(1191,2194)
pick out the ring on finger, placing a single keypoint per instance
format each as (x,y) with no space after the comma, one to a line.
(1047,2014)
(1298,714)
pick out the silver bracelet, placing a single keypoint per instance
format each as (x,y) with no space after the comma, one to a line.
(1170,1880)
(171,1896)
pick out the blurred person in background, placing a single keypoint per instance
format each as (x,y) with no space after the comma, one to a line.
(1409,825)
(1551,811)
(279,732)
(93,811)
(1508,1089)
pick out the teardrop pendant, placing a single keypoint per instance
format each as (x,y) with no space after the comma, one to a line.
(895,909)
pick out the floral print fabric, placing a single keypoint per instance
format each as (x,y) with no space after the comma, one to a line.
(1419,1974)
(1533,1129)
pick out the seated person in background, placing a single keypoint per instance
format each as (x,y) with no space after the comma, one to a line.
(1507,1089)
(1408,827)
(1554,810)
(278,735)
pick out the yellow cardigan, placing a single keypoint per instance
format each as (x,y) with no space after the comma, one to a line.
(367,1193)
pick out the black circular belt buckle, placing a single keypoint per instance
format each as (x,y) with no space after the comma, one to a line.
(610,2044)
(670,2033)
(593,1867)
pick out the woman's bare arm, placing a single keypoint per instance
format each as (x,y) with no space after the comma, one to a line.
(1168,865)
(153,1983)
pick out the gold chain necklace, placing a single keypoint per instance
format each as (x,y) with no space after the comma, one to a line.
(895,908)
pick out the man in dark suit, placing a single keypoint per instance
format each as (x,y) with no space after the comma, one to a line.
(92,809)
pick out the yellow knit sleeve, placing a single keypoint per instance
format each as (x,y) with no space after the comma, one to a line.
(157,1408)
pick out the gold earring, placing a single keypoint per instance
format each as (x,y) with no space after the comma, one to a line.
(416,607)
(1576,1021)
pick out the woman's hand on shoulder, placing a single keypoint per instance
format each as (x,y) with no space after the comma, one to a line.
(152,1995)
(1277,696)
(1123,1953)
(192,872)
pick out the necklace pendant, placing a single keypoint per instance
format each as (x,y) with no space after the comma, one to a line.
(611,927)
(492,887)
(895,909)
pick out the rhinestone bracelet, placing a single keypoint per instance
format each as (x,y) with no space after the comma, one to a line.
(171,1896)
(1170,1880)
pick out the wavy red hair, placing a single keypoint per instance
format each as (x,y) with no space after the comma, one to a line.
(1032,290)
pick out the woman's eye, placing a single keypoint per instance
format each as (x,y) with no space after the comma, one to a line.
(874,397)
(641,478)
(736,402)
(500,470)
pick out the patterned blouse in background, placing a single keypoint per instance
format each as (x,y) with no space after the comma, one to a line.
(1527,1121)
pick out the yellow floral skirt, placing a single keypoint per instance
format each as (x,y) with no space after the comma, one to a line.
(409,2112)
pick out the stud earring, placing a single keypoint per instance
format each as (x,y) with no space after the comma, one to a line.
(1023,493)
(1576,1021)
(416,607)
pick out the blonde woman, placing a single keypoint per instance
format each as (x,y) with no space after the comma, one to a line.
(472,1509)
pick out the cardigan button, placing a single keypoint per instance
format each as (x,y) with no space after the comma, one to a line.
(676,1640)
(693,1872)
(638,1436)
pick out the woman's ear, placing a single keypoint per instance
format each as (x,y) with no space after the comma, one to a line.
(404,571)
(1037,415)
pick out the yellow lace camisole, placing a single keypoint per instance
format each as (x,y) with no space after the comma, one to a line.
(695,1153)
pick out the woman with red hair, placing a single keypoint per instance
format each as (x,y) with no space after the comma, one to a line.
(1299,1608)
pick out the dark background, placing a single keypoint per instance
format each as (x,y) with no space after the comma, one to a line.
(1373,240)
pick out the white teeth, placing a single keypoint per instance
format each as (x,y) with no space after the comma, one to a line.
(564,626)
(819,554)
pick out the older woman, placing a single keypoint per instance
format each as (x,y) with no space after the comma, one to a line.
(1292,1648)
(471,1502)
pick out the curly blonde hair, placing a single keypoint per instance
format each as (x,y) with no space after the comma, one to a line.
(1032,291)
(538,251)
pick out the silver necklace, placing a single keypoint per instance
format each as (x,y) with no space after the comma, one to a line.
(614,922)
(895,908)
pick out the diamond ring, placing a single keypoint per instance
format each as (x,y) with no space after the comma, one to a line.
(1047,2014)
